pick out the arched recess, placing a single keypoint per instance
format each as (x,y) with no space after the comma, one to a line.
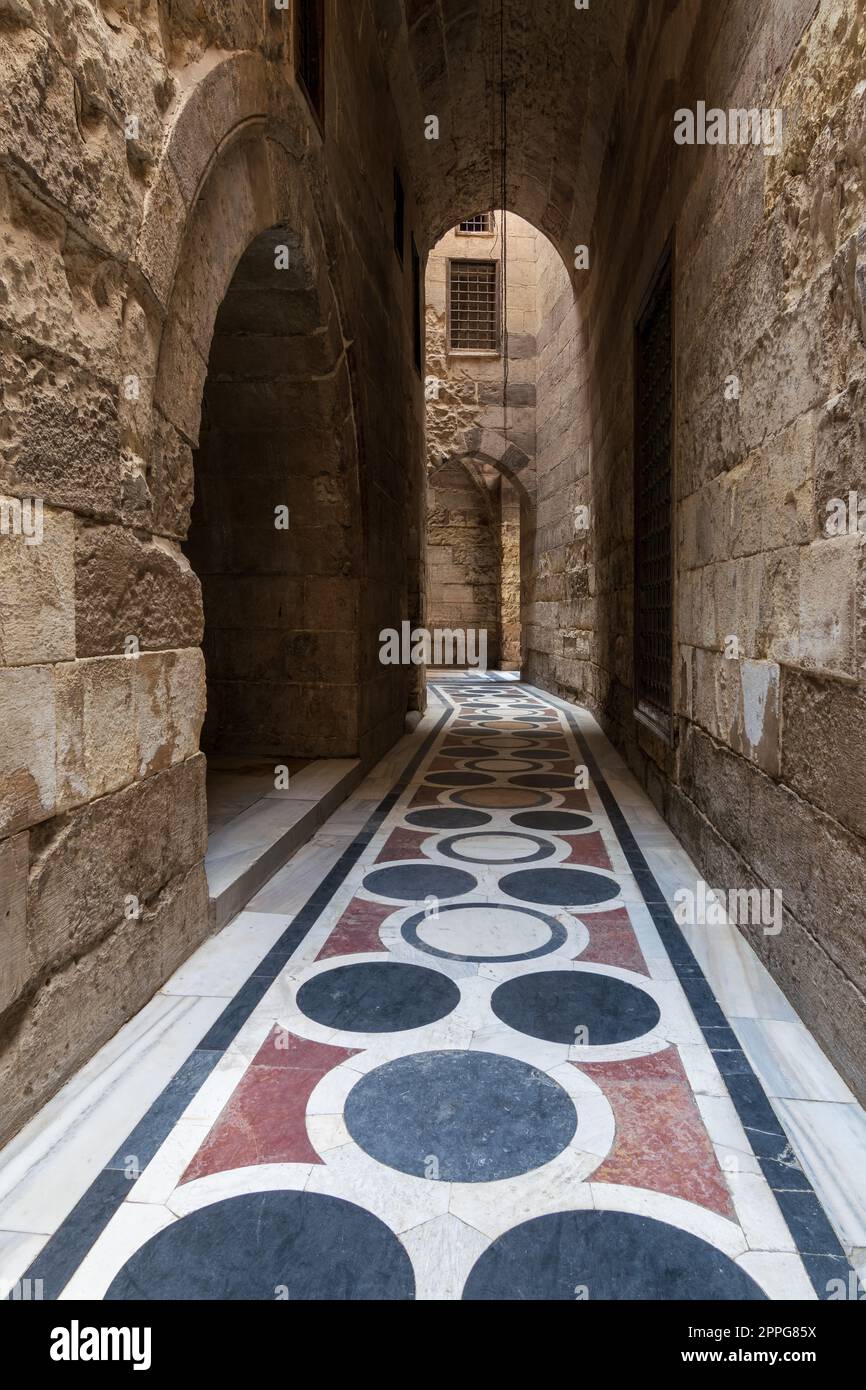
(483,558)
(253,383)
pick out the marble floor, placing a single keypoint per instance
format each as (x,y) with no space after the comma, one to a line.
(457,1048)
(234,784)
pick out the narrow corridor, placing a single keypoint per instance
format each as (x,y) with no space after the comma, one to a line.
(458,1048)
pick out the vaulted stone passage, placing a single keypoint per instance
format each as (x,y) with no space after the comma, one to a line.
(270,536)
(324,321)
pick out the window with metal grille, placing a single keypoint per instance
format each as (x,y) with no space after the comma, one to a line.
(399,216)
(653,454)
(479,225)
(417,309)
(310,53)
(473,306)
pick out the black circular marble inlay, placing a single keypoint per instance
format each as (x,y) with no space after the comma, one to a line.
(609,1254)
(413,882)
(459,779)
(501,798)
(568,1006)
(542,733)
(265,1245)
(559,887)
(448,818)
(377,997)
(552,820)
(460,1116)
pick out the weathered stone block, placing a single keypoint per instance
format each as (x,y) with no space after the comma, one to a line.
(129,587)
(61,436)
(80,1005)
(738,703)
(89,863)
(37,608)
(828,604)
(821,886)
(840,453)
(824,745)
(171,480)
(96,742)
(14,861)
(28,779)
(170,695)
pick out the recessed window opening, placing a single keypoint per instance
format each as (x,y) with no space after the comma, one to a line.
(481,224)
(473,306)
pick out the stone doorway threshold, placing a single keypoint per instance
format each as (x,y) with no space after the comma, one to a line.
(255,830)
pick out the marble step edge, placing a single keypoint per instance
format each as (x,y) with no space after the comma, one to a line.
(231,897)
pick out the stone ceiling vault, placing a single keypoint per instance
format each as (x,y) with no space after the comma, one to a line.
(562,69)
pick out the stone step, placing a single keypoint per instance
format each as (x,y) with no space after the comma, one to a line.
(245,853)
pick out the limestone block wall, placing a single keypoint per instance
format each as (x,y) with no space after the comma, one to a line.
(509,576)
(143,148)
(560,636)
(464,550)
(765,778)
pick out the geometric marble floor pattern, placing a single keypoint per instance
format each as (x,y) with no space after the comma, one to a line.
(481,1063)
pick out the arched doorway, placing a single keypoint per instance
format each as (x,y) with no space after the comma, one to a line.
(255,393)
(506,398)
(270,536)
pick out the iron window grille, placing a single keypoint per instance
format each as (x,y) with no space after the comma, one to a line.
(653,502)
(310,53)
(481,224)
(473,306)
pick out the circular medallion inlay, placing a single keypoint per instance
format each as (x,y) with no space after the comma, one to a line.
(484,932)
(501,798)
(552,820)
(377,997)
(447,818)
(575,1007)
(460,1116)
(251,1247)
(495,847)
(414,882)
(612,1255)
(559,887)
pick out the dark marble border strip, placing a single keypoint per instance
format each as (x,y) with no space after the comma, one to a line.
(61,1256)
(816,1241)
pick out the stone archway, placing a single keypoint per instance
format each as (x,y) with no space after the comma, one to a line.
(480,524)
(252,381)
(271,538)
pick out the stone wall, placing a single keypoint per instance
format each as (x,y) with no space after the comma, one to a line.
(765,778)
(509,576)
(144,148)
(464,549)
(561,617)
